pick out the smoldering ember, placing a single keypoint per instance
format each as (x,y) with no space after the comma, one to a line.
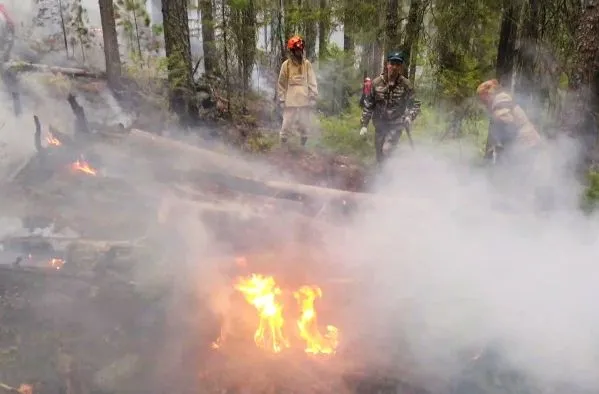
(299,196)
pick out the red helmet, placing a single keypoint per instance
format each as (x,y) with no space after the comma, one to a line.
(295,42)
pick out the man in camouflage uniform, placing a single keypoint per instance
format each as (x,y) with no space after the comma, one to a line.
(390,104)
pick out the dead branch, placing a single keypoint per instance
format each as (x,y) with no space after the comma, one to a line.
(37,138)
(81,125)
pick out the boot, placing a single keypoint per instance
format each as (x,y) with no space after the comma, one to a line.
(304,140)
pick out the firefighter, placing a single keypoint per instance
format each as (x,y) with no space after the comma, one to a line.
(515,145)
(390,104)
(511,131)
(7,33)
(297,92)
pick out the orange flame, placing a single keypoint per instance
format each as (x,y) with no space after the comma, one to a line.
(316,343)
(53,140)
(56,263)
(83,166)
(262,292)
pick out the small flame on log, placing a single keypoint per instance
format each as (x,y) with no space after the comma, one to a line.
(83,166)
(52,140)
(56,263)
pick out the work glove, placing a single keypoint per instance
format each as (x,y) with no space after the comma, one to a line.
(363,131)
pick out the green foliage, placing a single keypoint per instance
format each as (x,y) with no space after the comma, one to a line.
(591,195)
(463,57)
(339,82)
(132,17)
(261,142)
(77,25)
(340,134)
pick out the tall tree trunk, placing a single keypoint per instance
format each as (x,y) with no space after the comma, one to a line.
(111,44)
(208,47)
(341,86)
(310,28)
(348,39)
(178,51)
(392,26)
(506,49)
(323,29)
(580,116)
(527,53)
(413,27)
(290,9)
(248,46)
(412,62)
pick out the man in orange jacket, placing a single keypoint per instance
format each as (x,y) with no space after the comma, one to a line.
(297,91)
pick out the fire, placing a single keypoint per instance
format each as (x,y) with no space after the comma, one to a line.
(307,324)
(53,140)
(83,166)
(263,293)
(56,263)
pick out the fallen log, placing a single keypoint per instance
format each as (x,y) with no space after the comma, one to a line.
(69,71)
(176,161)
(235,173)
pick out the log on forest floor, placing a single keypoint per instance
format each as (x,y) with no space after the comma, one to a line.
(16,66)
(233,172)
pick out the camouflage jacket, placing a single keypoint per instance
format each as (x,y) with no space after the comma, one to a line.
(388,103)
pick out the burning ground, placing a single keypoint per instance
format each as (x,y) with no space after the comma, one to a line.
(136,263)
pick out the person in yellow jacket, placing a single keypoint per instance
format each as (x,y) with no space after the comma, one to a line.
(515,143)
(297,91)
(511,131)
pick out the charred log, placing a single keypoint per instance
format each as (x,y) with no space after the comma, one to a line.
(81,125)
(38,135)
(17,67)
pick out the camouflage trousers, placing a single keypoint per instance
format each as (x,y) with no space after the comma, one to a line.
(386,138)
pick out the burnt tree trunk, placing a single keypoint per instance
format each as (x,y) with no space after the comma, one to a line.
(581,112)
(178,53)
(208,36)
(527,53)
(310,28)
(506,50)
(111,44)
(413,27)
(392,26)
(323,29)
(506,53)
(349,45)
(348,40)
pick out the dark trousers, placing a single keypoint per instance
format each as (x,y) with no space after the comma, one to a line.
(386,138)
